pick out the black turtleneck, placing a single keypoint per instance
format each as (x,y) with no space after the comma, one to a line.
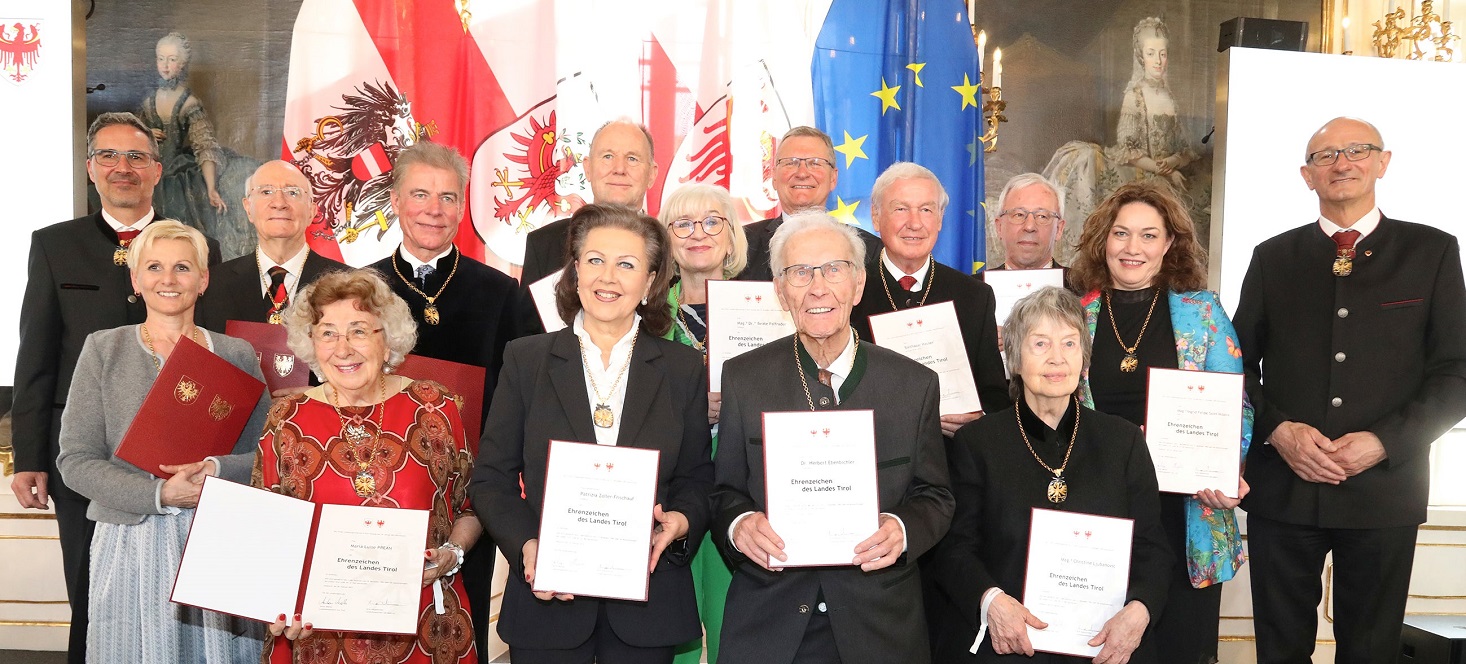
(1123,393)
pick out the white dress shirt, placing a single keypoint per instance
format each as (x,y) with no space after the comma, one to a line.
(136,225)
(294,266)
(606,375)
(415,263)
(1365,224)
(897,273)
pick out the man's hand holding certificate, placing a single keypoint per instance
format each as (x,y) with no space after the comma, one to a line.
(742,315)
(1193,426)
(822,500)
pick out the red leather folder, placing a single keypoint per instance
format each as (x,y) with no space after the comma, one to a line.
(196,408)
(281,368)
(465,380)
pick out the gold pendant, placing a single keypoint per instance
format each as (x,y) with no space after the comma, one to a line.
(276,318)
(1130,363)
(364,483)
(1058,490)
(603,417)
(1343,266)
(119,256)
(430,314)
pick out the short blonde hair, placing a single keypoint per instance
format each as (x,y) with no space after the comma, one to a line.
(168,229)
(372,295)
(697,197)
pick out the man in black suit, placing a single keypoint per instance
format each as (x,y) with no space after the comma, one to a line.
(78,283)
(1030,221)
(804,175)
(1353,332)
(257,287)
(871,610)
(906,206)
(465,311)
(620,168)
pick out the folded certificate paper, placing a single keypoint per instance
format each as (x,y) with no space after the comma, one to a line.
(596,525)
(543,294)
(1010,286)
(196,408)
(1078,576)
(820,476)
(930,335)
(742,315)
(257,554)
(1193,426)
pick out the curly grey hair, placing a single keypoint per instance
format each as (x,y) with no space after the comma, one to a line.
(1047,303)
(372,295)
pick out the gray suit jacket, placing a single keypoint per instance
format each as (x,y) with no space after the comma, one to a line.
(876,616)
(113,376)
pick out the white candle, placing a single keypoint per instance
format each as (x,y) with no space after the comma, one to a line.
(1348,39)
(982,50)
(972,12)
(997,67)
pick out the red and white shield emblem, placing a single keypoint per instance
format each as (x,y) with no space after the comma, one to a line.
(20,48)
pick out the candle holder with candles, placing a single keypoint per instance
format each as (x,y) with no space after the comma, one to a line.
(1426,29)
(993,105)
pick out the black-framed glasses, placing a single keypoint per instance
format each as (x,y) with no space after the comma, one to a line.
(1039,216)
(110,158)
(812,163)
(268,191)
(711,224)
(1356,152)
(802,275)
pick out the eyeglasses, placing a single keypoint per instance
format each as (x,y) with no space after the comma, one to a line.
(110,158)
(1356,152)
(356,336)
(802,275)
(712,225)
(268,191)
(1040,216)
(812,163)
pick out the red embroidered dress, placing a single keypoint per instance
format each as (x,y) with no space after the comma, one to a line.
(421,462)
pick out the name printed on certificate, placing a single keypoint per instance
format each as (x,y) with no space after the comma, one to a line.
(543,294)
(596,524)
(1078,576)
(1010,286)
(1193,426)
(247,552)
(742,315)
(820,476)
(930,335)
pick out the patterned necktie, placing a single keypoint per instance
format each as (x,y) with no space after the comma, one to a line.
(422,273)
(278,294)
(1344,259)
(826,377)
(907,282)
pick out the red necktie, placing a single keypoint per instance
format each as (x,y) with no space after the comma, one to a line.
(278,295)
(125,237)
(907,282)
(1346,240)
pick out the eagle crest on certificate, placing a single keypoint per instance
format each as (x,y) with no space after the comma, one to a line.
(186,391)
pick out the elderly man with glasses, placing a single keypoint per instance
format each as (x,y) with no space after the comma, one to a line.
(78,283)
(1353,334)
(804,175)
(871,609)
(1030,222)
(257,287)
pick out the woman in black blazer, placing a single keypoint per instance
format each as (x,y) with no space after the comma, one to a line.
(609,379)
(1001,472)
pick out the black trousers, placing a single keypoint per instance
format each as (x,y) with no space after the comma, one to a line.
(603,647)
(1371,579)
(75,530)
(1186,631)
(478,579)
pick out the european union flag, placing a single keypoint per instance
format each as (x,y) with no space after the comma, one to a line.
(897,80)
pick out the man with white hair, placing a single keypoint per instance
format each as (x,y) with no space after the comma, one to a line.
(870,610)
(1030,222)
(906,205)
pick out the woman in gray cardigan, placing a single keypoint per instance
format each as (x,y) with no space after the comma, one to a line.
(143,521)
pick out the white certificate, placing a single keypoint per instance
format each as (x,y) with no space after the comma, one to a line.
(543,294)
(247,549)
(596,525)
(742,315)
(1078,576)
(820,478)
(1010,286)
(366,571)
(930,335)
(1193,426)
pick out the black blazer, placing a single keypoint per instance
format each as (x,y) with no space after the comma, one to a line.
(1381,350)
(479,313)
(998,483)
(234,290)
(541,396)
(72,290)
(975,307)
(759,233)
(876,616)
